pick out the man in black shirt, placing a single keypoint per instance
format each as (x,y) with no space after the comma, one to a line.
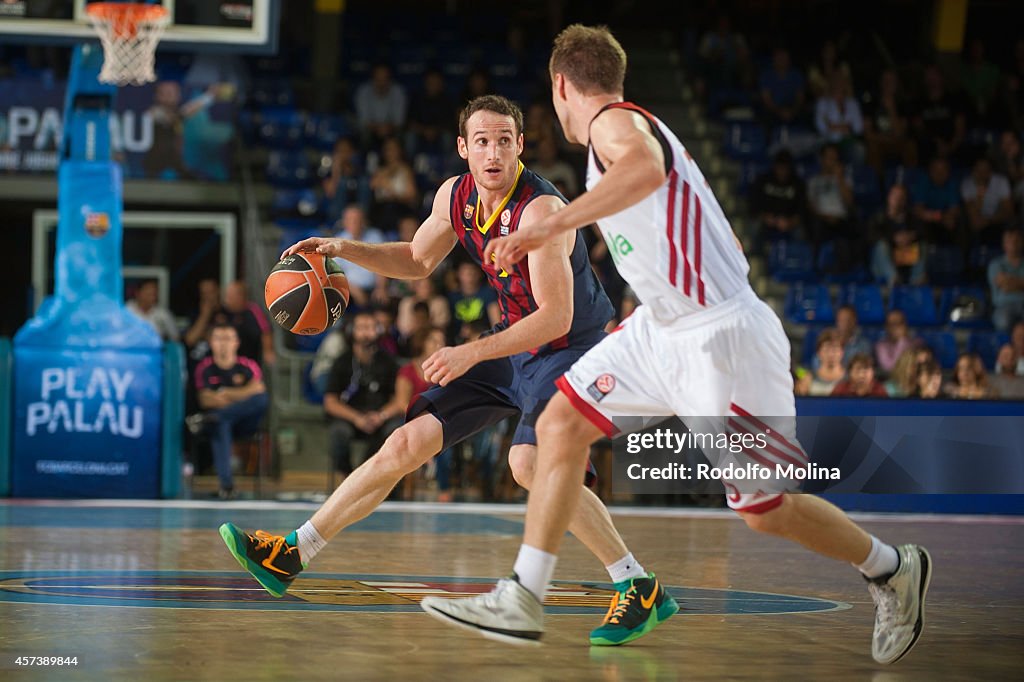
(777,201)
(248,318)
(359,393)
(940,122)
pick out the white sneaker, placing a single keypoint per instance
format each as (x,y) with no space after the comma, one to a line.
(899,605)
(508,613)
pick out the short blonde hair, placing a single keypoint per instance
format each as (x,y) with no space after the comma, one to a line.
(591,58)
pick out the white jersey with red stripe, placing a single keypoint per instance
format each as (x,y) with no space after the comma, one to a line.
(675,247)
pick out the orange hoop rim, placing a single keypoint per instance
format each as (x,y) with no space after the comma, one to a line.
(128,12)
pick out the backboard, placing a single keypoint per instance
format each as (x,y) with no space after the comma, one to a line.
(242,26)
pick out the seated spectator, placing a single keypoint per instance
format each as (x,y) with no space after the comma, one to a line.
(860,381)
(782,89)
(886,125)
(478,84)
(940,121)
(903,377)
(928,381)
(394,187)
(825,68)
(363,284)
(473,300)
(557,171)
(937,204)
(897,257)
(208,309)
(896,342)
(424,291)
(988,202)
(830,197)
(249,320)
(850,336)
(829,359)
(347,183)
(1006,279)
(980,79)
(970,380)
(539,123)
(724,58)
(778,200)
(232,397)
(1009,161)
(359,388)
(389,340)
(380,106)
(1010,360)
(837,116)
(431,117)
(145,304)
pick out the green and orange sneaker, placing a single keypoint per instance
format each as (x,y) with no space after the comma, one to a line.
(639,606)
(272,559)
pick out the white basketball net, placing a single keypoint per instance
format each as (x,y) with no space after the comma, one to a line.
(129,33)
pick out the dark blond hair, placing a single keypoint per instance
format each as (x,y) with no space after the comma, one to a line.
(591,58)
(493,103)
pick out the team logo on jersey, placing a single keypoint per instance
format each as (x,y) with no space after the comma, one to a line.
(601,387)
(467,212)
(506,217)
(619,246)
(97,224)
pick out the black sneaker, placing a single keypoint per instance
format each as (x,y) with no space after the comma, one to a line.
(639,606)
(272,559)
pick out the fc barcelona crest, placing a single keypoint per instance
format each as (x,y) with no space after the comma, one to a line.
(467,212)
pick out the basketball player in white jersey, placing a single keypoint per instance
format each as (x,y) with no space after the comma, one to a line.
(701,343)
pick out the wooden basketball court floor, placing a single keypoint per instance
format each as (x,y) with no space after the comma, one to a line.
(147,591)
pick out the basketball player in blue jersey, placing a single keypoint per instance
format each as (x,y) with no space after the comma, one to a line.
(553,310)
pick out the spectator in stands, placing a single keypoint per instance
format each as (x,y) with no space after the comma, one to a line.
(557,171)
(249,320)
(1009,161)
(937,204)
(389,339)
(778,200)
(830,197)
(940,121)
(829,360)
(1013,88)
(886,125)
(431,117)
(394,187)
(988,202)
(207,311)
(1011,355)
(850,336)
(539,124)
(439,313)
(380,106)
(928,381)
(347,183)
(472,301)
(363,284)
(232,397)
(145,304)
(980,79)
(1006,279)
(860,381)
(361,384)
(724,59)
(903,377)
(837,115)
(478,84)
(825,68)
(897,256)
(782,89)
(896,342)
(970,380)
(419,320)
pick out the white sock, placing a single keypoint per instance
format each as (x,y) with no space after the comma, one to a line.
(625,568)
(535,568)
(882,560)
(310,542)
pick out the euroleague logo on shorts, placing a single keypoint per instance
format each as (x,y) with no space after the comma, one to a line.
(601,387)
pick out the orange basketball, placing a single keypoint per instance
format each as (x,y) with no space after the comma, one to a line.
(306,293)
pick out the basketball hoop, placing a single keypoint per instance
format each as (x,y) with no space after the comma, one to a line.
(129,32)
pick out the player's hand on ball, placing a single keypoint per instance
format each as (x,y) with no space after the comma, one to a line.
(448,364)
(327,246)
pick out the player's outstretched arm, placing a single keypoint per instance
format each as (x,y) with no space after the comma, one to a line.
(399,260)
(635,167)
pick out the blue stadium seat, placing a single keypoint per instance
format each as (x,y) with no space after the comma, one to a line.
(750,171)
(809,303)
(282,128)
(979,258)
(324,130)
(866,299)
(866,192)
(917,303)
(287,203)
(745,141)
(944,264)
(943,344)
(827,261)
(810,341)
(872,334)
(272,93)
(987,345)
(289,169)
(296,229)
(965,307)
(807,168)
(791,261)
